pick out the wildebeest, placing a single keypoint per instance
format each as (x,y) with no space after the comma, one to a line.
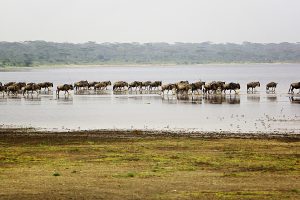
(120,85)
(106,83)
(182,88)
(294,100)
(252,85)
(168,87)
(135,84)
(2,89)
(294,86)
(0,84)
(197,86)
(92,84)
(31,83)
(146,84)
(14,89)
(209,87)
(214,87)
(155,85)
(65,87)
(21,84)
(46,85)
(231,86)
(102,85)
(184,82)
(9,84)
(32,87)
(81,84)
(270,87)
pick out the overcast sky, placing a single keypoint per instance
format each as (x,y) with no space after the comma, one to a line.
(150,20)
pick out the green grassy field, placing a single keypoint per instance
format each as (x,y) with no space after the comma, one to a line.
(148,168)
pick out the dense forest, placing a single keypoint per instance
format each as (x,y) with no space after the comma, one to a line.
(35,53)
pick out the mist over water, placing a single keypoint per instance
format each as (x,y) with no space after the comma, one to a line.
(242,112)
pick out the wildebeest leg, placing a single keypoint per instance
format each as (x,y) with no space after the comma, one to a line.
(292,90)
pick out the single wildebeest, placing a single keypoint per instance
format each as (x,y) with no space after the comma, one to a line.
(155,85)
(209,87)
(146,85)
(232,86)
(31,87)
(65,87)
(106,83)
(271,87)
(294,86)
(135,84)
(182,88)
(92,84)
(46,85)
(81,84)
(168,87)
(102,85)
(14,89)
(197,86)
(0,84)
(252,85)
(119,85)
(220,85)
(20,85)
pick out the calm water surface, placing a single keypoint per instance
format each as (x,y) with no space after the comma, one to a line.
(258,112)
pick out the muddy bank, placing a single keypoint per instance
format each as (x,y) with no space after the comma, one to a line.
(19,134)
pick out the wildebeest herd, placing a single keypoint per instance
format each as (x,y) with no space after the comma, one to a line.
(181,87)
(15,88)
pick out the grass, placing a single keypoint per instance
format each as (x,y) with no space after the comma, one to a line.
(149,168)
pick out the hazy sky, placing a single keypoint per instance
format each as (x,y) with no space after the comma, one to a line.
(150,20)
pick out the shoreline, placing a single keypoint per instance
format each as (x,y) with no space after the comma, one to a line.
(70,66)
(139,134)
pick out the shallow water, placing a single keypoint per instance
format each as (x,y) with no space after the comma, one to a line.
(258,112)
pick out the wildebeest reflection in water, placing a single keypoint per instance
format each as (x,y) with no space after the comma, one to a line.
(233,99)
(133,92)
(272,98)
(220,99)
(254,98)
(295,99)
(46,92)
(66,100)
(32,98)
(169,99)
(92,92)
(120,92)
(3,99)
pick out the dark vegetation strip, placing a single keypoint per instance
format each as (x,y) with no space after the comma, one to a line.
(33,53)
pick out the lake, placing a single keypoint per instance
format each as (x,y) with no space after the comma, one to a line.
(258,112)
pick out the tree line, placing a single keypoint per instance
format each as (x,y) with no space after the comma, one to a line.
(35,53)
